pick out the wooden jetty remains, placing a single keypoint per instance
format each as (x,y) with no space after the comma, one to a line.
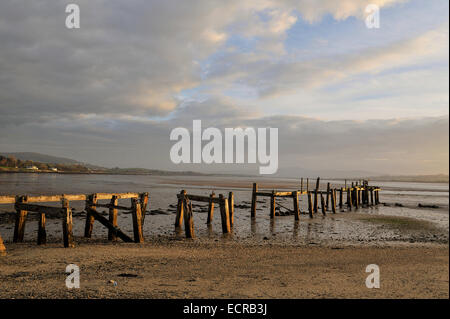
(24,204)
(359,194)
(184,210)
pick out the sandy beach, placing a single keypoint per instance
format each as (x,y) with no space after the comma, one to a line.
(199,269)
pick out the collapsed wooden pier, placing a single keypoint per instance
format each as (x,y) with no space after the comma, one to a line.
(359,194)
(26,204)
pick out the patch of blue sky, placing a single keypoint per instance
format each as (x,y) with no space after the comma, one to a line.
(330,37)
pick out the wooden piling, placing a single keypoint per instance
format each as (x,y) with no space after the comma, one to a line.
(224,213)
(231,207)
(333,201)
(210,209)
(253,209)
(296,206)
(144,205)
(113,217)
(341,198)
(67,227)
(272,205)
(90,204)
(356,198)
(188,219)
(349,198)
(307,184)
(322,203)
(21,217)
(301,185)
(328,197)
(310,205)
(137,221)
(180,209)
(42,235)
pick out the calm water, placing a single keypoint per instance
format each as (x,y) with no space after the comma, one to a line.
(163,190)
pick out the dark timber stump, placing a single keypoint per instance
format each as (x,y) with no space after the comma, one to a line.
(296,209)
(310,205)
(90,204)
(180,209)
(253,209)
(188,219)
(42,235)
(272,205)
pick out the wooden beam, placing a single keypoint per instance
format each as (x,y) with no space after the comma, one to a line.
(322,203)
(116,230)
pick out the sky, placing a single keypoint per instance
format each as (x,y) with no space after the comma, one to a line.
(345,98)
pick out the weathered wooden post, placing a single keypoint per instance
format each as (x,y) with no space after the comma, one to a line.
(231,207)
(224,213)
(322,203)
(272,205)
(67,224)
(21,217)
(180,209)
(296,208)
(210,209)
(2,247)
(113,216)
(42,235)
(316,200)
(91,202)
(307,184)
(356,197)
(253,209)
(341,198)
(371,196)
(137,221)
(144,204)
(349,198)
(301,185)
(377,196)
(328,196)
(310,205)
(333,201)
(188,219)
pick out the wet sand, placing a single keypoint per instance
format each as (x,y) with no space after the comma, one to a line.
(199,269)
